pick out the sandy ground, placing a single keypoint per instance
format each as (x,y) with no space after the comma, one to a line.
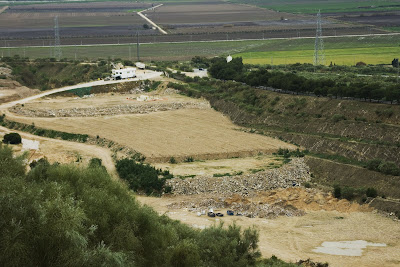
(63,151)
(234,165)
(295,238)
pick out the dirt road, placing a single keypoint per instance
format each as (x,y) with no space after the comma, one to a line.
(66,151)
(141,76)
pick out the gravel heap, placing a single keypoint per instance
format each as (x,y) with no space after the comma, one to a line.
(104,111)
(250,209)
(292,174)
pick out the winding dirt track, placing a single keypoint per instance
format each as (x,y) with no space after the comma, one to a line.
(90,150)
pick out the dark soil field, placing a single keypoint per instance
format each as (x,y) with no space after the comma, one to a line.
(118,23)
(378,19)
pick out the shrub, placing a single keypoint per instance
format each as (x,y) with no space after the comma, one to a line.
(12,138)
(172,160)
(189,159)
(142,177)
(337,191)
(373,164)
(388,167)
(371,192)
(338,117)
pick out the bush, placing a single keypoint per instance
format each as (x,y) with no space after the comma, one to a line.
(389,167)
(142,177)
(12,138)
(189,159)
(337,191)
(371,192)
(338,117)
(172,160)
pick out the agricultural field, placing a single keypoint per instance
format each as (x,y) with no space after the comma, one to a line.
(339,50)
(118,23)
(310,7)
(201,133)
(75,20)
(221,17)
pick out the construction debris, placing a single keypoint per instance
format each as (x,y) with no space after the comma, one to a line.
(107,111)
(292,174)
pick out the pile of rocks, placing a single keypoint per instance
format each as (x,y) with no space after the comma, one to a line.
(248,209)
(103,111)
(292,174)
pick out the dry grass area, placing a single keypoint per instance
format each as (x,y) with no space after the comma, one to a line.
(106,100)
(63,151)
(220,166)
(294,238)
(200,133)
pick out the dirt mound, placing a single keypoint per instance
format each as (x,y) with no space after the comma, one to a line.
(271,204)
(309,199)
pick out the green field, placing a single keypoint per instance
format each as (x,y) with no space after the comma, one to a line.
(312,6)
(339,50)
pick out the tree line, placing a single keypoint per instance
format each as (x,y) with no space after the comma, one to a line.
(291,81)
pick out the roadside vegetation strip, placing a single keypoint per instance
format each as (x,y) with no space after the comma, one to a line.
(42,132)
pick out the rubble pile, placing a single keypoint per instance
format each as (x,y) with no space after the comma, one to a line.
(292,174)
(103,111)
(240,208)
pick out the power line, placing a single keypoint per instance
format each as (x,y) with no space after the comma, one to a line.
(57,47)
(319,55)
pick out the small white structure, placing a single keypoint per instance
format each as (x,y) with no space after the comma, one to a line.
(125,73)
(228,59)
(140,65)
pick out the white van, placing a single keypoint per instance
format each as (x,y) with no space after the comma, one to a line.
(123,73)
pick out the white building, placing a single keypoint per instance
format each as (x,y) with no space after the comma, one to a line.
(125,73)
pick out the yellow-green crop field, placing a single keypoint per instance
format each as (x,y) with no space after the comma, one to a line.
(345,56)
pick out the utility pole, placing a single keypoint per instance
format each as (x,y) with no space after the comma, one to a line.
(137,46)
(57,48)
(319,55)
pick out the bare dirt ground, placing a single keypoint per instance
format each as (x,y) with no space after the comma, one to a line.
(11,90)
(63,151)
(295,238)
(234,165)
(200,133)
(106,100)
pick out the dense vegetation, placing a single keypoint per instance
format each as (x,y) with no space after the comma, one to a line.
(45,74)
(12,138)
(61,215)
(388,90)
(142,177)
